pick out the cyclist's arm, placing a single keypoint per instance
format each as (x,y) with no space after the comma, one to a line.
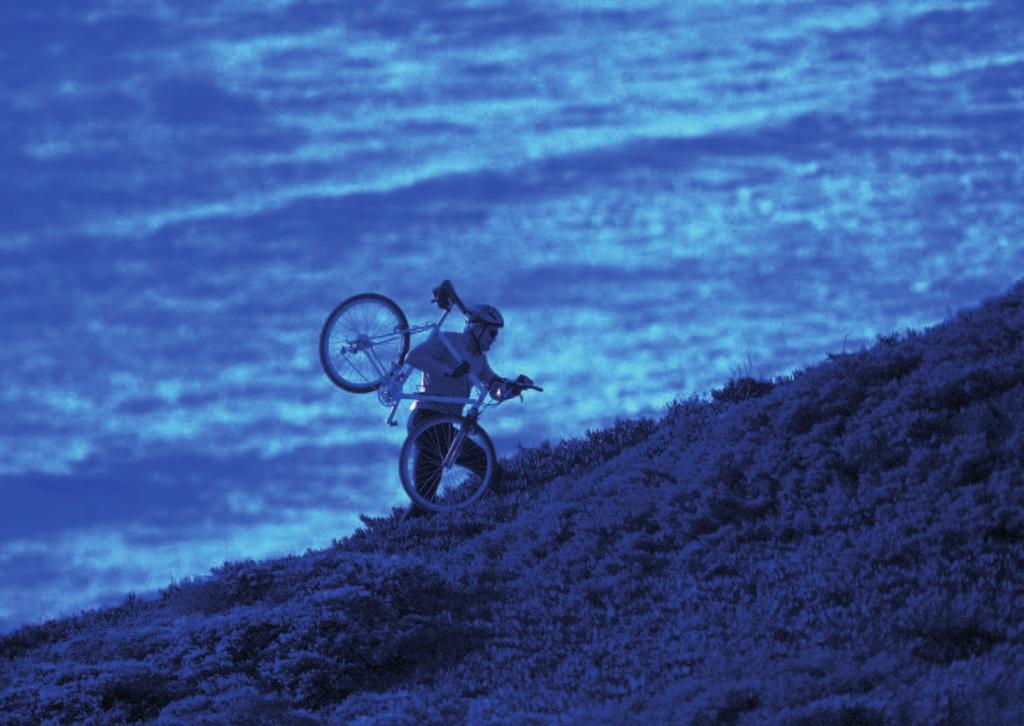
(497,386)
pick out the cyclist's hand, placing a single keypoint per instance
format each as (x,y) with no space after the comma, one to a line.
(501,389)
(516,387)
(460,370)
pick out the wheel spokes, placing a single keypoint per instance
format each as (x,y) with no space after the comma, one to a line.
(366,338)
(447,465)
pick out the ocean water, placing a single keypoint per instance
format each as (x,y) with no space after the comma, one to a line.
(659,196)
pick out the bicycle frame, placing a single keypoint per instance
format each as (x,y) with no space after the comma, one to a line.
(386,393)
(476,404)
(365,344)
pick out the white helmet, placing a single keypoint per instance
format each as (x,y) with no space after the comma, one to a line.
(484,315)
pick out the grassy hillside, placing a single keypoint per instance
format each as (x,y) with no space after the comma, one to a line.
(845,545)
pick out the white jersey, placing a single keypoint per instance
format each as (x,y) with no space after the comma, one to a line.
(435,360)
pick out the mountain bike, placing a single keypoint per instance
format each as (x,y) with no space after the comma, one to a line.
(363,345)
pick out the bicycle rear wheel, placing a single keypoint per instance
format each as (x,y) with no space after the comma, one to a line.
(364,339)
(446,463)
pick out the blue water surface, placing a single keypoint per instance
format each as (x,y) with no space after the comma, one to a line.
(659,196)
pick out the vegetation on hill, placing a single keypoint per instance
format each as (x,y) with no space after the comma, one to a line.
(842,545)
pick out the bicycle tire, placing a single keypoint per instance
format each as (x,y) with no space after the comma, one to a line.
(348,351)
(458,487)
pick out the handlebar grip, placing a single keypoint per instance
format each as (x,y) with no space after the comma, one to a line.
(445,296)
(525,383)
(441,298)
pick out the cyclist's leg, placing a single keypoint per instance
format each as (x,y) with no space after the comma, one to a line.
(474,458)
(422,458)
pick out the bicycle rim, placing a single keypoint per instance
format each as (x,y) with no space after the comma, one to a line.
(364,339)
(439,488)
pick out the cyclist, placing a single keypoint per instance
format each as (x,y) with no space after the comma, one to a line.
(444,375)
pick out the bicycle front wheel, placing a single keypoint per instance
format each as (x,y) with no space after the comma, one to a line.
(447,463)
(363,341)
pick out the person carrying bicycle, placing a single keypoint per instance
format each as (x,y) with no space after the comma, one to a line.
(445,375)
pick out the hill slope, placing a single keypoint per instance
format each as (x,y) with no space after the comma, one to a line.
(845,545)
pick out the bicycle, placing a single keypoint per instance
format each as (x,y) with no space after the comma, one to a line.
(363,345)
